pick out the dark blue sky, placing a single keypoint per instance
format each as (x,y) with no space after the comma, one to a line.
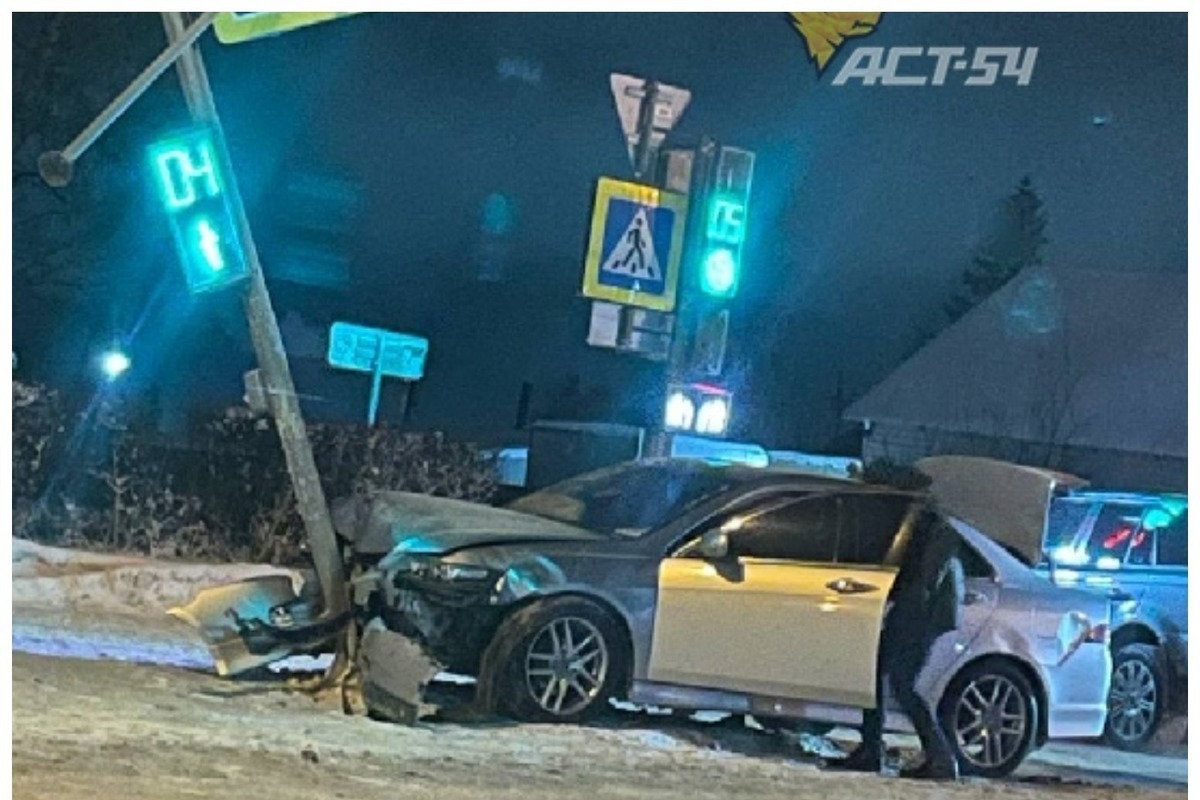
(868,200)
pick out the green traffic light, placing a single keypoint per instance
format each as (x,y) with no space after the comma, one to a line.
(724,233)
(209,243)
(191,184)
(719,273)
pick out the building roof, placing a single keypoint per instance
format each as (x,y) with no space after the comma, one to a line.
(1068,357)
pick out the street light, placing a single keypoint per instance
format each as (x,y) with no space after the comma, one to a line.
(114,363)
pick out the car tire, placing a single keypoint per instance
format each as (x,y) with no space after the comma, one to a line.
(555,660)
(990,715)
(1137,697)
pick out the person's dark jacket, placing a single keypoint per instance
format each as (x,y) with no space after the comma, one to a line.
(928,593)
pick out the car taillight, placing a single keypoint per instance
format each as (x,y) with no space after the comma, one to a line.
(1098,634)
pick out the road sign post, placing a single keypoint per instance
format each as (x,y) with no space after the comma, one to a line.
(378,352)
(268,344)
(376,386)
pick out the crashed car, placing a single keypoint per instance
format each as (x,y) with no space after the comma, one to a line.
(682,584)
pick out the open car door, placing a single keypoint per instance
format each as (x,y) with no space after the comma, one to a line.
(777,613)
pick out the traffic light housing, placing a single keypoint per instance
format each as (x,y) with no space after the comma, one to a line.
(191,183)
(724,223)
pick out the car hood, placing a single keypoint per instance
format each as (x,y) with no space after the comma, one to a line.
(1008,502)
(381,522)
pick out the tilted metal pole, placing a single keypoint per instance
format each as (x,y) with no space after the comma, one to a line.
(57,166)
(268,345)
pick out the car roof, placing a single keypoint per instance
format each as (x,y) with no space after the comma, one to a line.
(788,477)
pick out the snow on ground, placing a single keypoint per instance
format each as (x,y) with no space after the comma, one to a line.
(85,727)
(55,577)
(78,604)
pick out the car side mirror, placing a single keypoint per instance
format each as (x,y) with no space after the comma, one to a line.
(714,545)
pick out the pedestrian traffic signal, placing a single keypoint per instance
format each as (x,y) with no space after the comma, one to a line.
(191,185)
(699,408)
(724,223)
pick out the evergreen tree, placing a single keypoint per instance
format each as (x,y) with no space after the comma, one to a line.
(1016,245)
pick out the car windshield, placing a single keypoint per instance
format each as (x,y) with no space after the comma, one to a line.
(630,499)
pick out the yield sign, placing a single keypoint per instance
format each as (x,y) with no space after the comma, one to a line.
(629,93)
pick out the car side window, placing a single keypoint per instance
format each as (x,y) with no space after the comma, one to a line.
(1141,546)
(870,523)
(1065,518)
(1172,542)
(803,530)
(1113,534)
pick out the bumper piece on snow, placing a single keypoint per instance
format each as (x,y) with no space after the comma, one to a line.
(255,622)
(395,672)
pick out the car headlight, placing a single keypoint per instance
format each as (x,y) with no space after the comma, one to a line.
(431,569)
(459,572)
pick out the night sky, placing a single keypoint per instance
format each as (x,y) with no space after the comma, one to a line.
(868,200)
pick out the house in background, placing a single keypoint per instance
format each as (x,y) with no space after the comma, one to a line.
(1080,371)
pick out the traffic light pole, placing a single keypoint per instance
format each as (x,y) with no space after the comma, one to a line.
(678,363)
(268,344)
(678,357)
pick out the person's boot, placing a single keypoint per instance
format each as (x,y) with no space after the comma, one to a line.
(863,759)
(934,769)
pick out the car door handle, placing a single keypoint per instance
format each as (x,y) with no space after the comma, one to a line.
(850,586)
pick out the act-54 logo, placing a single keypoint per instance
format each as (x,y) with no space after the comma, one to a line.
(825,33)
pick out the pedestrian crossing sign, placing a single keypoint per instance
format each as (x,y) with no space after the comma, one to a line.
(636,245)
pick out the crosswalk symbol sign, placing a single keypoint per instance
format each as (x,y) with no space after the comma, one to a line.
(636,245)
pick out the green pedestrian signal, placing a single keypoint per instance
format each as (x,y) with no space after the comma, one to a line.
(724,224)
(724,232)
(191,185)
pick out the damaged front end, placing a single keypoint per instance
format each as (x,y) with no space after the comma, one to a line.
(249,624)
(420,603)
(252,623)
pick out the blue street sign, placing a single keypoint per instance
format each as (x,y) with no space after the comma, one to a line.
(379,352)
(395,355)
(635,246)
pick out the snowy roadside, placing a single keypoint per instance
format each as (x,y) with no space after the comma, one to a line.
(99,606)
(60,578)
(113,608)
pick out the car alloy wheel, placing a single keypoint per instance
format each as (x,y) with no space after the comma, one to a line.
(992,723)
(566,665)
(1135,697)
(1133,700)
